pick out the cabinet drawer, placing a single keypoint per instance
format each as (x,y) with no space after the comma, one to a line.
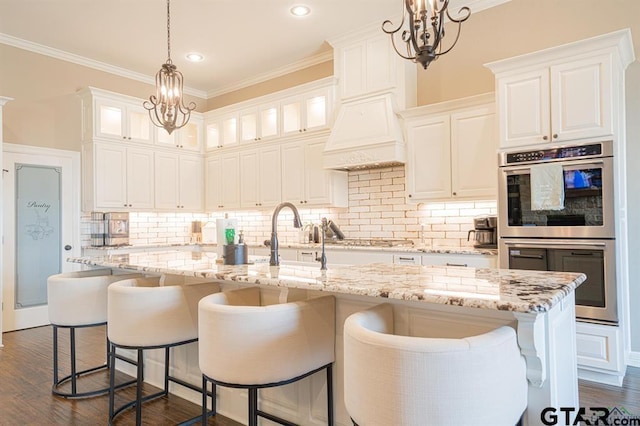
(597,346)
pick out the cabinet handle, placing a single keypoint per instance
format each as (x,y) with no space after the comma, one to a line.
(406,258)
(457,264)
(306,253)
(555,136)
(545,137)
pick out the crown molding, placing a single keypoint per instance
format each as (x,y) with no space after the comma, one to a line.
(81,60)
(278,72)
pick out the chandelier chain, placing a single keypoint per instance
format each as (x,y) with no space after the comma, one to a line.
(168,31)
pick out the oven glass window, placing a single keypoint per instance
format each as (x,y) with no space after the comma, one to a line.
(582,200)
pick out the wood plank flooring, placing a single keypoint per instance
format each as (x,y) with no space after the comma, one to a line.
(26,375)
(26,378)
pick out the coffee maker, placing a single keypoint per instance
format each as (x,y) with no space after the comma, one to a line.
(485,232)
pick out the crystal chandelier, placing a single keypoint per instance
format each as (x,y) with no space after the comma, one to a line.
(166,107)
(423,37)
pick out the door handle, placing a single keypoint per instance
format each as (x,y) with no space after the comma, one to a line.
(67,247)
(528,256)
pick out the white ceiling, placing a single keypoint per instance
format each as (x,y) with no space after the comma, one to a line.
(242,41)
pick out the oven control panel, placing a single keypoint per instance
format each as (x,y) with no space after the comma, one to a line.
(581,151)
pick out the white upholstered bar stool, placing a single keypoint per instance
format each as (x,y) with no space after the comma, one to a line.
(401,380)
(243,344)
(143,315)
(78,300)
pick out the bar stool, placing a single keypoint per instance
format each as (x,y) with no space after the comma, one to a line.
(143,315)
(400,380)
(246,345)
(78,300)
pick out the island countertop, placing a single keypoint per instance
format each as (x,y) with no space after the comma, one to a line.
(496,289)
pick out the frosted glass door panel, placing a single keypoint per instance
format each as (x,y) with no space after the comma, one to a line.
(213,136)
(248,127)
(269,122)
(291,117)
(139,127)
(38,239)
(110,120)
(316,112)
(189,137)
(229,131)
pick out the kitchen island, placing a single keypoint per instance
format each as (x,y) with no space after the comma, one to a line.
(429,301)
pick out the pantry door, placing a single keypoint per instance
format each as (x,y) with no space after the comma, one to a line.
(41,215)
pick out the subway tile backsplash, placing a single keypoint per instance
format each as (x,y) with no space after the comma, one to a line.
(377,210)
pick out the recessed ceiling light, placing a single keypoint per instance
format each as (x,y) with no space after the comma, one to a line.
(300,10)
(195,57)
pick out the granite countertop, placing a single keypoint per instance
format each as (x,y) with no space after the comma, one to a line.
(495,289)
(399,249)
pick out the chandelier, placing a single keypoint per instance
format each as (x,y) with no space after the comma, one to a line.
(166,107)
(423,37)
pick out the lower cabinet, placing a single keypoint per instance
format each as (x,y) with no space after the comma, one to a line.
(455,259)
(600,354)
(178,182)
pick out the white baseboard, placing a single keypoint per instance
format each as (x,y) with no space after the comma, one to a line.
(634,359)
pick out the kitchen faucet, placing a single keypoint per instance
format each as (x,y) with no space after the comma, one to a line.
(273,260)
(323,257)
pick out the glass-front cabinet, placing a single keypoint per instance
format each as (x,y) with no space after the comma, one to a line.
(306,112)
(122,121)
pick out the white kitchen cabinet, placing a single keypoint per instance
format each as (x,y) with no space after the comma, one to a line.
(564,101)
(305,181)
(222,182)
(117,177)
(452,154)
(598,349)
(306,112)
(261,122)
(178,182)
(456,259)
(122,121)
(188,138)
(222,131)
(260,181)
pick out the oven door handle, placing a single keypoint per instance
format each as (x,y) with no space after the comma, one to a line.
(515,169)
(524,243)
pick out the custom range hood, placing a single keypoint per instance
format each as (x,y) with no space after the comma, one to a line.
(366,134)
(374,84)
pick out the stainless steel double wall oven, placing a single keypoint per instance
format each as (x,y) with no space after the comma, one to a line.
(577,238)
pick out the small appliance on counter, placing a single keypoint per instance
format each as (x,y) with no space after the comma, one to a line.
(485,232)
(109,229)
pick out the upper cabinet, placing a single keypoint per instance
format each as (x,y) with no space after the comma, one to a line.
(109,116)
(366,64)
(452,150)
(561,94)
(289,113)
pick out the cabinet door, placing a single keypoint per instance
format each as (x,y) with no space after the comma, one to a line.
(230,181)
(269,121)
(190,182)
(213,136)
(316,109)
(524,111)
(317,179)
(581,99)
(249,179)
(213,186)
(269,180)
(165,139)
(249,126)
(428,169)
(110,176)
(166,180)
(229,130)
(474,158)
(293,176)
(292,115)
(140,180)
(138,124)
(109,120)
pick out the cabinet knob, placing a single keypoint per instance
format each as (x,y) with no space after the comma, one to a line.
(555,136)
(130,205)
(125,205)
(304,130)
(300,130)
(124,137)
(301,202)
(409,195)
(545,137)
(455,193)
(129,138)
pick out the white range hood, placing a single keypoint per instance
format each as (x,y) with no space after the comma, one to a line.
(366,133)
(374,84)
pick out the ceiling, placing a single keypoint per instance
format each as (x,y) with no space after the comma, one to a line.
(243,42)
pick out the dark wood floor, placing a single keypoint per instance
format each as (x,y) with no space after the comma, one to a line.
(26,372)
(26,376)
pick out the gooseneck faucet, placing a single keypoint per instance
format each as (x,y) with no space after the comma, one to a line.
(273,259)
